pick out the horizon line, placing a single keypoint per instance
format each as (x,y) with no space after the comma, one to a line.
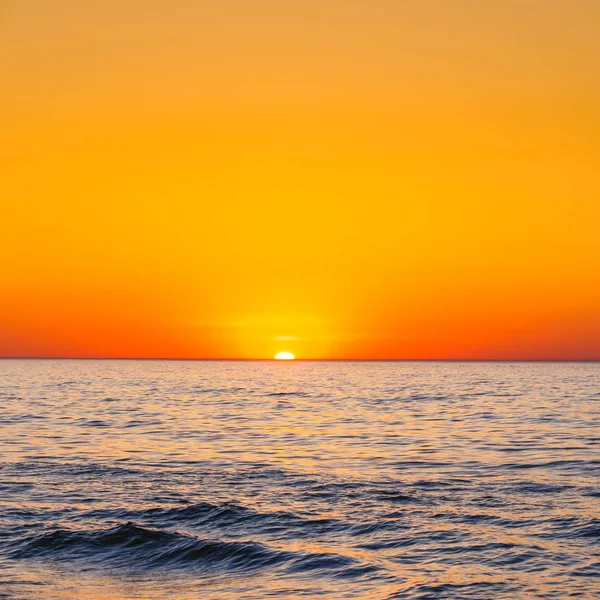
(173,359)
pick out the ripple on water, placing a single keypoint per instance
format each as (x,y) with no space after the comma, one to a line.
(331,480)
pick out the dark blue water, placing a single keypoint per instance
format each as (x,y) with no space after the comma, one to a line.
(227,480)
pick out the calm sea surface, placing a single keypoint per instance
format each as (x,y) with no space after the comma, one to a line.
(231,480)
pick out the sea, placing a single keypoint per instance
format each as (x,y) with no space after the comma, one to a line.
(127,479)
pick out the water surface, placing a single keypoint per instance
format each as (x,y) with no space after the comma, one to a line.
(231,480)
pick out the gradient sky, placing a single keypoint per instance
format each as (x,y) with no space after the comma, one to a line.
(356,178)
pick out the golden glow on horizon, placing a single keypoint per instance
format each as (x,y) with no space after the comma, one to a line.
(284,356)
(429,168)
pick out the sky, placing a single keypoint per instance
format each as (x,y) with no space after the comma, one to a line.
(375,179)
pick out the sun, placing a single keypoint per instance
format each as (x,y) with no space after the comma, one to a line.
(284,356)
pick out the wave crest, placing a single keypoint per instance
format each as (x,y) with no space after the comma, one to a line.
(132,546)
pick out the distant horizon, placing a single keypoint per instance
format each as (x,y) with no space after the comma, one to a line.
(174,359)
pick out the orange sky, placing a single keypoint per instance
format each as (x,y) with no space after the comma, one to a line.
(339,179)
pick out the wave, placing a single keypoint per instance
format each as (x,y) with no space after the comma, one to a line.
(133,546)
(479,589)
(200,391)
(296,394)
(226,517)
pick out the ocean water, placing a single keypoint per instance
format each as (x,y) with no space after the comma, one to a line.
(229,480)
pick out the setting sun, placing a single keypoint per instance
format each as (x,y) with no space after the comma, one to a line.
(284,356)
